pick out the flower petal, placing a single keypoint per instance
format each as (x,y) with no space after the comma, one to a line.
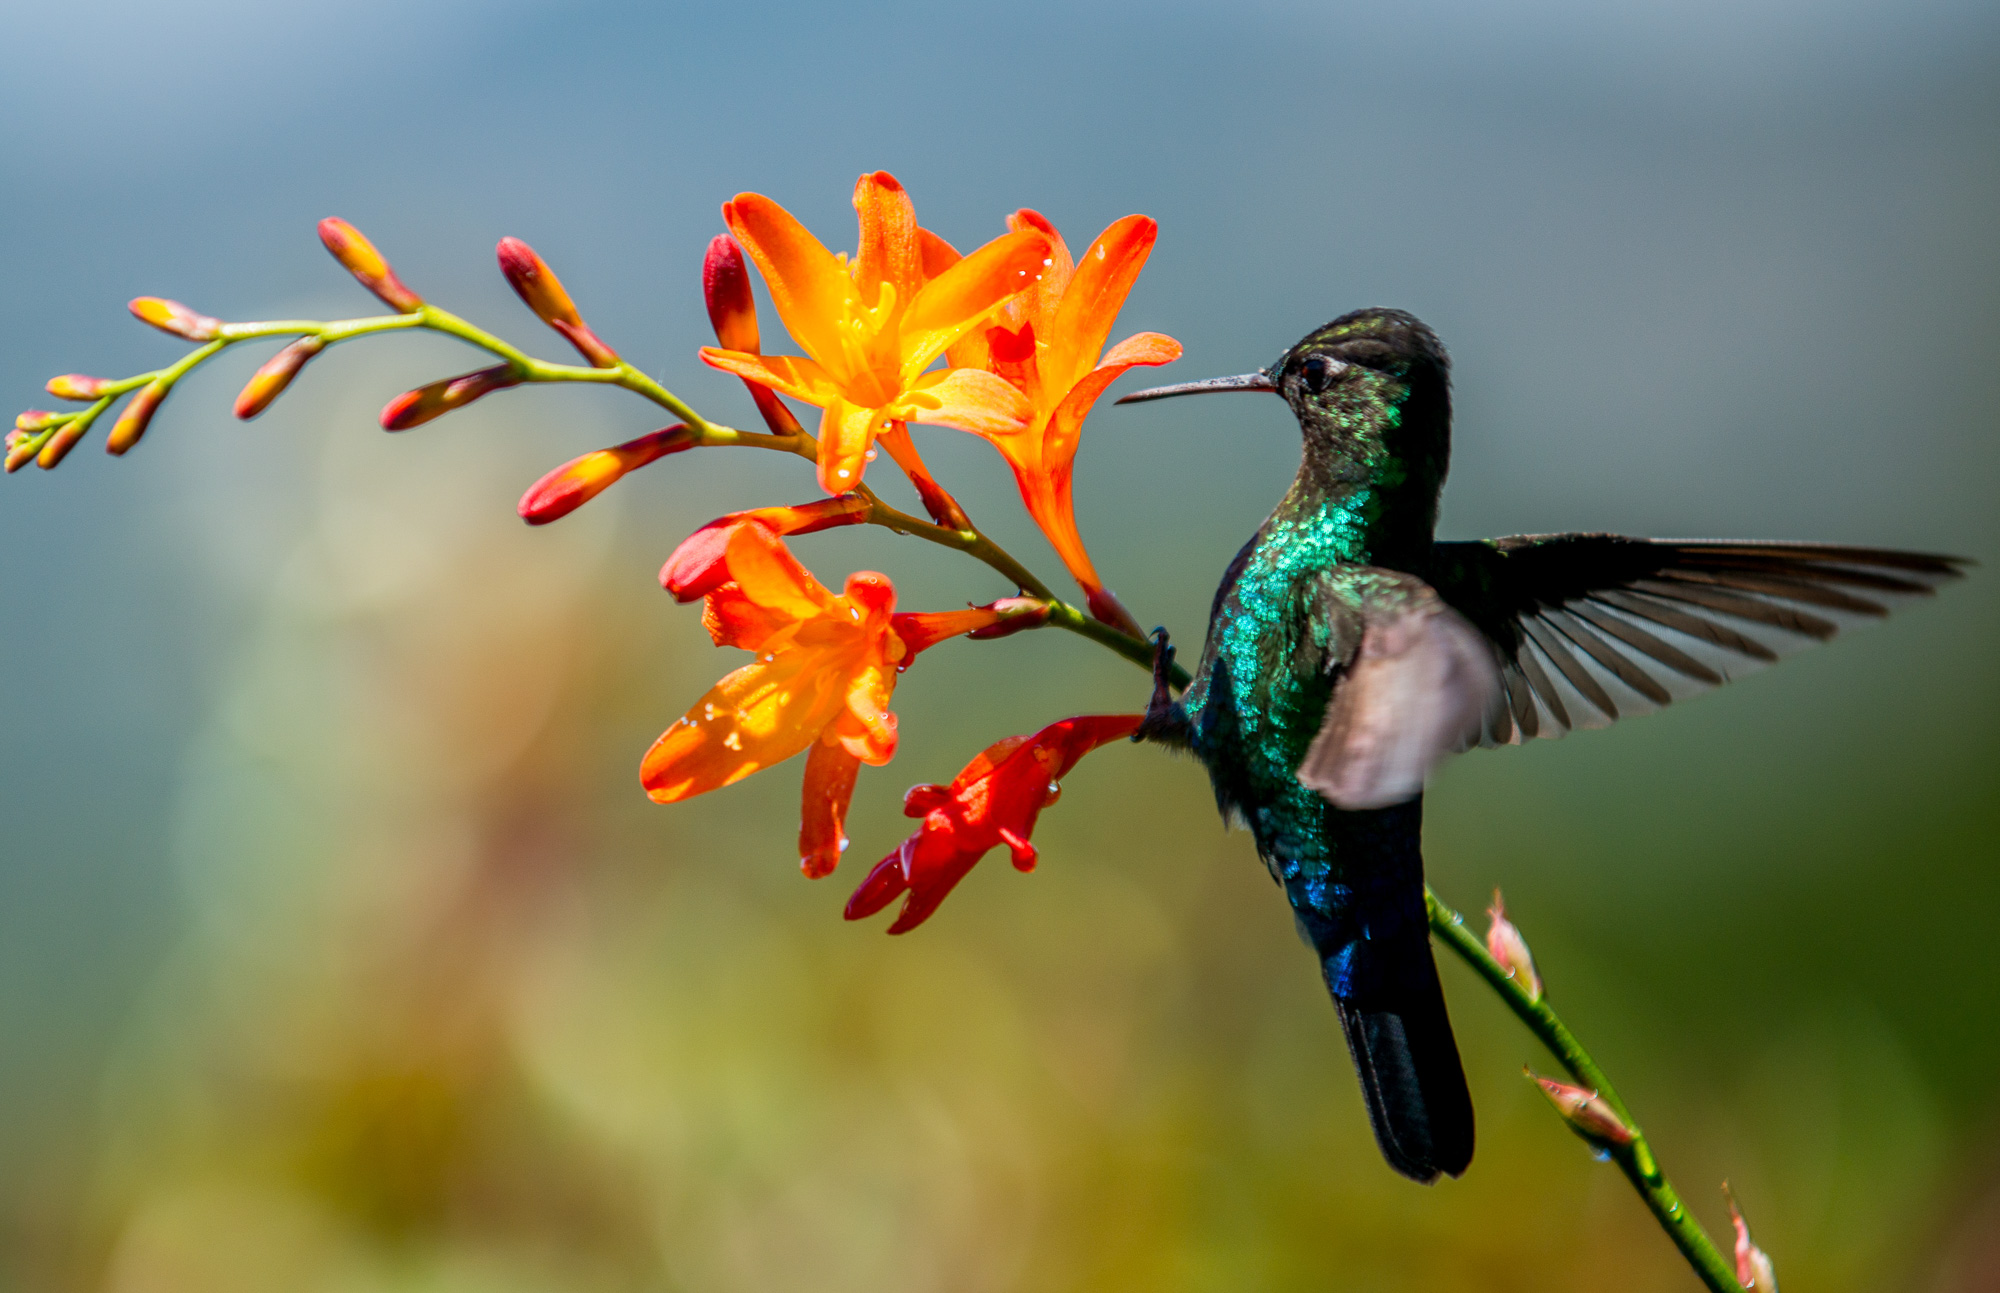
(829,785)
(769,575)
(922,630)
(1103,278)
(970,399)
(761,714)
(808,284)
(1059,438)
(959,299)
(732,619)
(867,730)
(802,379)
(1041,303)
(698,566)
(938,255)
(890,250)
(846,431)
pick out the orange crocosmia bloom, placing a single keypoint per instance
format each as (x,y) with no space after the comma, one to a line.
(1046,344)
(872,325)
(825,670)
(995,801)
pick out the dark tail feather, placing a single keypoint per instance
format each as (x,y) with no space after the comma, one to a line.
(1407,1061)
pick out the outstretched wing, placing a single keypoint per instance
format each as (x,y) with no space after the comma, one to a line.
(1590,627)
(1421,683)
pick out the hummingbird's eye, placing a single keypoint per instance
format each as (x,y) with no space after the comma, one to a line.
(1317,373)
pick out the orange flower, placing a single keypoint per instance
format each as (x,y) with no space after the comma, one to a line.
(1046,343)
(825,670)
(873,324)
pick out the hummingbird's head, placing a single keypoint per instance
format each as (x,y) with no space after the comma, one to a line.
(1370,389)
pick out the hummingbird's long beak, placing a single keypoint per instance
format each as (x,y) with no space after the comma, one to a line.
(1257,381)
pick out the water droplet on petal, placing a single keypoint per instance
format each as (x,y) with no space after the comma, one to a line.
(734,740)
(844,842)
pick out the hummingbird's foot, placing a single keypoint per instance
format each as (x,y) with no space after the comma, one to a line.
(1166,721)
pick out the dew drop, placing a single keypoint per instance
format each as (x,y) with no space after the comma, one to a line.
(870,455)
(1601,1155)
(734,740)
(844,842)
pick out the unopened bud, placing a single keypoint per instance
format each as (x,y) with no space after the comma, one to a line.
(725,285)
(37,419)
(578,481)
(75,386)
(1753,1265)
(699,565)
(133,419)
(270,381)
(1505,945)
(414,408)
(1016,614)
(172,316)
(360,259)
(543,292)
(1585,1111)
(57,446)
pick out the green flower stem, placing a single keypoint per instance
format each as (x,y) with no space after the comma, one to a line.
(1636,1158)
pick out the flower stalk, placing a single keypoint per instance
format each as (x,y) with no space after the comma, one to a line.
(1633,1154)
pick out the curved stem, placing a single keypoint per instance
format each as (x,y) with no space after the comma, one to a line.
(1635,1159)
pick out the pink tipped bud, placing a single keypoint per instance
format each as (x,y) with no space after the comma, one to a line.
(578,481)
(414,408)
(698,566)
(1586,1113)
(359,257)
(36,419)
(172,316)
(1753,1265)
(75,386)
(270,381)
(1016,614)
(725,284)
(1505,945)
(134,418)
(543,292)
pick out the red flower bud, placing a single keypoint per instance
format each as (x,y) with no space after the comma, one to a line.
(725,285)
(1105,608)
(360,259)
(1016,614)
(1505,945)
(538,285)
(133,419)
(697,568)
(414,408)
(1753,1265)
(75,386)
(270,381)
(172,316)
(579,480)
(1586,1113)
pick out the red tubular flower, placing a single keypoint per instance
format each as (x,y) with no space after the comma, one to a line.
(359,257)
(172,316)
(270,381)
(825,670)
(543,292)
(1045,343)
(732,309)
(873,325)
(579,480)
(699,566)
(414,408)
(994,801)
(132,420)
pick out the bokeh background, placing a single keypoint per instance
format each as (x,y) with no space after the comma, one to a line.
(339,949)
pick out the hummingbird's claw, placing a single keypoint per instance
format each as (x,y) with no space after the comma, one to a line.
(1166,720)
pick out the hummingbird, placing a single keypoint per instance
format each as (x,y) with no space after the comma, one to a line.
(1348,651)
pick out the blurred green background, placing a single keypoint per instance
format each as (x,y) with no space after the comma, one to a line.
(339,949)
